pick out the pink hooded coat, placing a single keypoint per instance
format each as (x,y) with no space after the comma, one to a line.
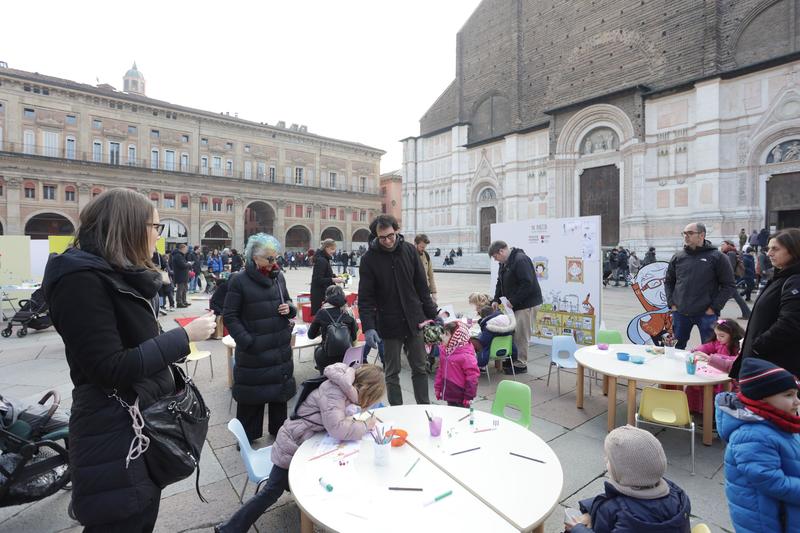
(457,376)
(721,359)
(323,410)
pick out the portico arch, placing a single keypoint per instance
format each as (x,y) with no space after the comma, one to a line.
(298,238)
(259,217)
(42,225)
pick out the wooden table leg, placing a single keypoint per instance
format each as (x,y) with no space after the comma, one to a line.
(605,385)
(708,413)
(631,401)
(579,388)
(306,525)
(230,367)
(612,402)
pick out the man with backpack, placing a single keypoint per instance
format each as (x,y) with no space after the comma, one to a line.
(337,327)
(735,258)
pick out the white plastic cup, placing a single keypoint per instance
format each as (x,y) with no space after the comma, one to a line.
(381,453)
(669,351)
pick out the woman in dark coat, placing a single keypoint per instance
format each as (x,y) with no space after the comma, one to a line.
(322,276)
(334,309)
(236,261)
(773,332)
(257,314)
(103,296)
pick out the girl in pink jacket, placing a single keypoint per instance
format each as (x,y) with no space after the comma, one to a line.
(325,409)
(720,353)
(457,376)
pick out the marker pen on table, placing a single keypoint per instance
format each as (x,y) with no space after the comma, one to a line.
(439,497)
(325,485)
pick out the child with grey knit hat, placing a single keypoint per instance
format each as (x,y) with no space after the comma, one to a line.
(637,498)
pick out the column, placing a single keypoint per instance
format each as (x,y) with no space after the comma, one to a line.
(280,222)
(316,231)
(238,223)
(84,194)
(13,215)
(348,228)
(194,218)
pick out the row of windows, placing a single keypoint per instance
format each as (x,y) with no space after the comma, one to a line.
(49,192)
(328,213)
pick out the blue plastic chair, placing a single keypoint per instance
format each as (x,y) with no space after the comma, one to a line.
(258,463)
(562,355)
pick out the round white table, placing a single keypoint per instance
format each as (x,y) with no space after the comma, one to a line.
(492,489)
(657,368)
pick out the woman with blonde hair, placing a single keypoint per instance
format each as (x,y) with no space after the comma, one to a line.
(479,300)
(103,296)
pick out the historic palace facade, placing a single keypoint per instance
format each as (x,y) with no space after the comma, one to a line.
(215,178)
(648,113)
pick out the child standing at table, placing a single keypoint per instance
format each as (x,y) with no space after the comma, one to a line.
(636,497)
(457,377)
(762,459)
(720,353)
(325,409)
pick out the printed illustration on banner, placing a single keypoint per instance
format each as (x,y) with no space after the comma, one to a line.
(540,267)
(648,286)
(574,270)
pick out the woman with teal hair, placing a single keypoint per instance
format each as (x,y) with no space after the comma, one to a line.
(258,313)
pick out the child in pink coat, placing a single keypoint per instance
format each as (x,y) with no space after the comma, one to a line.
(457,376)
(719,353)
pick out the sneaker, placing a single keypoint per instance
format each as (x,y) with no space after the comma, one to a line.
(523,369)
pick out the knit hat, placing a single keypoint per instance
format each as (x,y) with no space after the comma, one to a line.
(759,378)
(636,463)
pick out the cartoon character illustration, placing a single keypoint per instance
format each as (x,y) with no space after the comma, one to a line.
(588,308)
(648,285)
(540,267)
(574,270)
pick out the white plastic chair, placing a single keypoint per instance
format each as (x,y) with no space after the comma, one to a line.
(562,355)
(353,356)
(258,463)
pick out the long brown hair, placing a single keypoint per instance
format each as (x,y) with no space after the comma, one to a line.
(117,223)
(789,238)
(734,331)
(370,385)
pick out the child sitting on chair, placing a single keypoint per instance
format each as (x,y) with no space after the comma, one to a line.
(720,353)
(636,497)
(762,459)
(494,324)
(457,377)
(325,409)
(333,311)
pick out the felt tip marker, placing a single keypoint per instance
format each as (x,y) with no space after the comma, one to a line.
(439,497)
(325,485)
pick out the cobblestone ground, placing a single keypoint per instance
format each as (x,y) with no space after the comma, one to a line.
(36,363)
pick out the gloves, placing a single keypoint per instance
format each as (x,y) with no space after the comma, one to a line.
(371,338)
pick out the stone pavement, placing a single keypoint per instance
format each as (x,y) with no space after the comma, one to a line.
(36,363)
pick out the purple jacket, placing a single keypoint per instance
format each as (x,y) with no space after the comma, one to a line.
(323,410)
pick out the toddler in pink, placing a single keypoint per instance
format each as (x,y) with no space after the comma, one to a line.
(457,376)
(719,353)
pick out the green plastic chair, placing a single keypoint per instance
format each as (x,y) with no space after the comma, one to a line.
(516,395)
(501,348)
(609,336)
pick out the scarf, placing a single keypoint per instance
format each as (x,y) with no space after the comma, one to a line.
(459,337)
(785,421)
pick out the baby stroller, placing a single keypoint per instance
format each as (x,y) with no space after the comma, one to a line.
(33,313)
(34,462)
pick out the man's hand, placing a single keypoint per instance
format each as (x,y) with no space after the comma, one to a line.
(494,306)
(371,338)
(283,309)
(584,519)
(674,307)
(338,280)
(710,311)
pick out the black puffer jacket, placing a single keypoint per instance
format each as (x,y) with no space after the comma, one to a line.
(321,278)
(264,369)
(393,294)
(773,331)
(698,279)
(112,341)
(517,282)
(180,267)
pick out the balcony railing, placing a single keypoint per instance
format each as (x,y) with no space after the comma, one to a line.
(119,159)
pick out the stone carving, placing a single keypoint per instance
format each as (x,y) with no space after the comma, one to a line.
(785,151)
(487,195)
(598,140)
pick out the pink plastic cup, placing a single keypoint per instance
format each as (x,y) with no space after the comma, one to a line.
(435,425)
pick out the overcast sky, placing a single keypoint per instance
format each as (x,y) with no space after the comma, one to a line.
(359,70)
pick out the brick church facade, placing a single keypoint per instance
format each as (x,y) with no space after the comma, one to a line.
(650,113)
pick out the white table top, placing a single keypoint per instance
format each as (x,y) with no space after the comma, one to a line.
(361,500)
(657,368)
(522,491)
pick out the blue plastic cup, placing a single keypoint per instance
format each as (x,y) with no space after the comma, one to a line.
(691,367)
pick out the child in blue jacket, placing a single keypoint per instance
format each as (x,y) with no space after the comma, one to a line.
(762,460)
(637,498)
(494,324)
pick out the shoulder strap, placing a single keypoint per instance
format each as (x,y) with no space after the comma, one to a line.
(332,319)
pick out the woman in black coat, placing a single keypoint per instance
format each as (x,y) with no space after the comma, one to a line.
(333,310)
(257,314)
(322,276)
(773,331)
(103,296)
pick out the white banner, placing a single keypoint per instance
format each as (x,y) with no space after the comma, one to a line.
(567,261)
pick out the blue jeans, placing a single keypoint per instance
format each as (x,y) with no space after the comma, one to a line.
(682,327)
(193,284)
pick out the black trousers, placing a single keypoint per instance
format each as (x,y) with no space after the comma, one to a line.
(144,522)
(252,418)
(253,508)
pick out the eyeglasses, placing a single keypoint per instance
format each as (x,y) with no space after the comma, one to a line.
(158,227)
(689,233)
(387,238)
(268,259)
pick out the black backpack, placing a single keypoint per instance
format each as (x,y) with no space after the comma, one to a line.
(306,388)
(337,338)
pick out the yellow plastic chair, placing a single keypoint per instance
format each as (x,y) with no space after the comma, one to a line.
(666,408)
(701,528)
(195,355)
(515,395)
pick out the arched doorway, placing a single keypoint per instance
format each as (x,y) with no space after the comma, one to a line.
(43,225)
(216,237)
(488,216)
(174,233)
(298,238)
(335,234)
(259,217)
(360,239)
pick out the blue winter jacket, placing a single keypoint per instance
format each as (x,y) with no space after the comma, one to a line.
(762,470)
(215,264)
(614,512)
(493,326)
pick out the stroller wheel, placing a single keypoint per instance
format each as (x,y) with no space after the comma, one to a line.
(22,332)
(6,332)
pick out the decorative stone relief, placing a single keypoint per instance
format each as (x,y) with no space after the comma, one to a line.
(785,151)
(789,109)
(599,140)
(742,146)
(487,195)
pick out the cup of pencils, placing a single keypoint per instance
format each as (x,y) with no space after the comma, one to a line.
(434,424)
(380,446)
(691,364)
